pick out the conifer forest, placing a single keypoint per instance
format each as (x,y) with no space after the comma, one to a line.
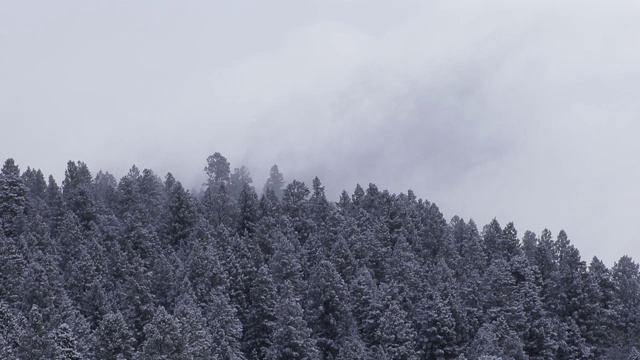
(92,267)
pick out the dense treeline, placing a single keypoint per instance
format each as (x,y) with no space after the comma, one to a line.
(140,268)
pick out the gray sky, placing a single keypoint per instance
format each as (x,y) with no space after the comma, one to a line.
(526,111)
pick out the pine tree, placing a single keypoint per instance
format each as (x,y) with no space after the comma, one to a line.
(35,182)
(366,304)
(432,243)
(138,304)
(320,209)
(55,206)
(396,335)
(41,284)
(13,264)
(600,308)
(285,265)
(77,189)
(509,244)
(181,215)
(79,328)
(269,205)
(436,328)
(626,279)
(239,178)
(403,269)
(220,208)
(226,328)
(294,205)
(498,340)
(501,295)
(291,337)
(9,332)
(327,308)
(65,344)
(34,342)
(218,170)
(104,188)
(343,260)
(203,267)
(163,338)
(198,343)
(345,205)
(358,195)
(241,271)
(248,206)
(13,200)
(491,234)
(529,245)
(113,339)
(275,182)
(259,332)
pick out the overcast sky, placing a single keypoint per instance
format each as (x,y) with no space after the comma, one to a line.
(527,111)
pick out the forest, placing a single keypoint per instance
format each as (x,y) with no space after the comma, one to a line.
(141,268)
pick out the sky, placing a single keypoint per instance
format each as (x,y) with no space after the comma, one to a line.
(522,111)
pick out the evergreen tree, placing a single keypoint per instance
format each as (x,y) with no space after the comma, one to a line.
(218,170)
(34,342)
(436,328)
(239,178)
(249,208)
(366,304)
(226,328)
(77,189)
(35,182)
(319,206)
(269,205)
(13,263)
(275,182)
(358,195)
(13,200)
(65,344)
(113,338)
(291,337)
(104,187)
(403,269)
(395,335)
(220,208)
(181,215)
(328,311)
(41,284)
(55,206)
(529,245)
(259,332)
(163,338)
(343,259)
(198,343)
(600,312)
(498,340)
(9,332)
(294,204)
(204,268)
(285,264)
(626,280)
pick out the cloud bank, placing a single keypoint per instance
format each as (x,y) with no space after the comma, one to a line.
(526,112)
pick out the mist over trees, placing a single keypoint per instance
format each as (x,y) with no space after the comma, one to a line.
(140,268)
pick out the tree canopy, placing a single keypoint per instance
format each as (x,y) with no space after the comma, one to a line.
(141,268)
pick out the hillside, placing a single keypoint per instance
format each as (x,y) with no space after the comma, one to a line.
(140,268)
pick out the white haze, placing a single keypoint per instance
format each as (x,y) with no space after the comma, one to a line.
(526,111)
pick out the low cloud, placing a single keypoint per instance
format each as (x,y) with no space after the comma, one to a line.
(525,112)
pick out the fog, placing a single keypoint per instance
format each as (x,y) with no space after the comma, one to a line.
(524,111)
